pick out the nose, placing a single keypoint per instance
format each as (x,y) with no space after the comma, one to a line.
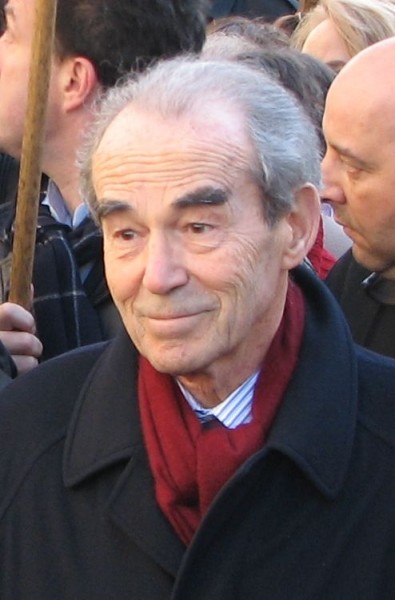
(331,175)
(163,267)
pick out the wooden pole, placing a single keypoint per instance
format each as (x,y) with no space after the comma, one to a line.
(30,168)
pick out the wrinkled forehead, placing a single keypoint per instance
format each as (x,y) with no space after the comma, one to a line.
(144,151)
(147,135)
(208,118)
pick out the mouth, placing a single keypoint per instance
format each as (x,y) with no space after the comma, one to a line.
(339,222)
(174,316)
(174,326)
(348,231)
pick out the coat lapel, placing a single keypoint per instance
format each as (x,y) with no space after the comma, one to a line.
(105,430)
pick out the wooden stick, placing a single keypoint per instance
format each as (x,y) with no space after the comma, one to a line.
(30,169)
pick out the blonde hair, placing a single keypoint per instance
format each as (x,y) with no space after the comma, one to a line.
(360,23)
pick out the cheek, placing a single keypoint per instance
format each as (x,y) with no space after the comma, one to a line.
(121,278)
(361,204)
(243,269)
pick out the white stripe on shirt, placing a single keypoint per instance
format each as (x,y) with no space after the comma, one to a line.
(235,410)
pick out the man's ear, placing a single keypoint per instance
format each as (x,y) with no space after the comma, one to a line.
(303,222)
(79,82)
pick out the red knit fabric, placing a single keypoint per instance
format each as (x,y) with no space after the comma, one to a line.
(320,258)
(190,464)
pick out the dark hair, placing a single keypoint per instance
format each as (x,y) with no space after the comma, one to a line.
(120,35)
(306,77)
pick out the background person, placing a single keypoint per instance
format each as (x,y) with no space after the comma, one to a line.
(359,180)
(336,30)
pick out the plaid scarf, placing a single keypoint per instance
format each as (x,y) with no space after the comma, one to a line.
(64,305)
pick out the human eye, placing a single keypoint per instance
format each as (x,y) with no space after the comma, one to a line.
(349,168)
(200,228)
(124,237)
(125,240)
(202,236)
(353,172)
(356,166)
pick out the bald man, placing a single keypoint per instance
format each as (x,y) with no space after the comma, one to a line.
(359,182)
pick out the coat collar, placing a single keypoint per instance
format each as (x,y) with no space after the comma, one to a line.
(316,423)
(104,431)
(314,427)
(104,428)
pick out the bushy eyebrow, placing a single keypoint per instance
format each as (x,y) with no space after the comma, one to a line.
(205,196)
(107,207)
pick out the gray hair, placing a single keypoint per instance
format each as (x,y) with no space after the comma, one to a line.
(222,46)
(285,141)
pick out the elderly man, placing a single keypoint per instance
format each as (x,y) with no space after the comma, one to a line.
(231,442)
(359,175)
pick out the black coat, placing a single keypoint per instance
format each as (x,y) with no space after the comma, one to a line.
(271,9)
(371,321)
(309,517)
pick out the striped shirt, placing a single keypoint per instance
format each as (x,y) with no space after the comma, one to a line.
(235,410)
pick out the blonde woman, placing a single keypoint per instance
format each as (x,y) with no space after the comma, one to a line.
(336,30)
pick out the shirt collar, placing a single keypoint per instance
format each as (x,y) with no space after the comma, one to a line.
(235,410)
(58,209)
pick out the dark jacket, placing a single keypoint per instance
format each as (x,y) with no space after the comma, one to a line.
(271,9)
(72,306)
(371,317)
(309,517)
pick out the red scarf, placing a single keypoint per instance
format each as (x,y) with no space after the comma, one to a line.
(190,464)
(320,258)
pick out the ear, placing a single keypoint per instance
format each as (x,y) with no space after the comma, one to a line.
(79,82)
(303,222)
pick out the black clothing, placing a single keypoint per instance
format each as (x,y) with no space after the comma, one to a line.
(308,517)
(65,307)
(7,367)
(9,175)
(69,311)
(370,315)
(271,9)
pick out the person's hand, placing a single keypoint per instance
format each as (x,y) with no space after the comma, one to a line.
(17,333)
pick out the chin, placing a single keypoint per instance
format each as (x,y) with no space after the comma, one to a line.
(372,263)
(174,368)
(174,362)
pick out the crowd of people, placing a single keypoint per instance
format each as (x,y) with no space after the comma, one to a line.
(199,403)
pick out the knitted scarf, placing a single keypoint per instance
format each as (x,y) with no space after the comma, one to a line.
(190,463)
